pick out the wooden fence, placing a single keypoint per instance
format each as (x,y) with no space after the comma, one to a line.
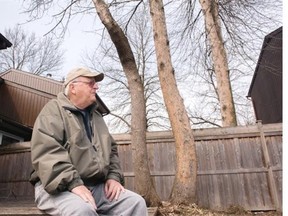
(236,166)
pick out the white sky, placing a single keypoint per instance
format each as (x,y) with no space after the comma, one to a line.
(10,15)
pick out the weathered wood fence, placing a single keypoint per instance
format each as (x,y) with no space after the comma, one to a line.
(236,166)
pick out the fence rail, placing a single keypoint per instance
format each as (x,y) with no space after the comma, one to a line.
(236,166)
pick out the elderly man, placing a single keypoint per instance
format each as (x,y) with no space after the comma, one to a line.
(75,159)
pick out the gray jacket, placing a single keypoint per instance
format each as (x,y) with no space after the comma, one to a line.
(62,155)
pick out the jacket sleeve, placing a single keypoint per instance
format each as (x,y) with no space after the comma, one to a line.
(115,171)
(50,159)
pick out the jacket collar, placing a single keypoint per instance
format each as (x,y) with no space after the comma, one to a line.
(66,103)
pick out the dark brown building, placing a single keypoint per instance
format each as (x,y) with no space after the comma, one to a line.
(266,86)
(4,43)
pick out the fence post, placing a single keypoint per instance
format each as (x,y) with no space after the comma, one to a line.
(267,163)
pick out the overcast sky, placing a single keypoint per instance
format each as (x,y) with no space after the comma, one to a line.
(76,40)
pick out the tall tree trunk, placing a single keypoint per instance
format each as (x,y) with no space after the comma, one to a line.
(213,29)
(144,184)
(184,187)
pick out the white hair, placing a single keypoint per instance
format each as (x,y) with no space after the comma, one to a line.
(66,89)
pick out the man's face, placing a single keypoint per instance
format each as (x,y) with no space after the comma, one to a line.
(84,90)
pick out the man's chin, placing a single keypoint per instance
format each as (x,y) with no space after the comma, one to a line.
(93,100)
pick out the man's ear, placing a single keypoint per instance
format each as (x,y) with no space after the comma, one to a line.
(72,88)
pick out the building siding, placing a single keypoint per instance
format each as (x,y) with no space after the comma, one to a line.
(266,86)
(24,95)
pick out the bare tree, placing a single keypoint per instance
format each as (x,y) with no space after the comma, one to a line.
(139,34)
(143,181)
(32,54)
(220,63)
(184,187)
(243,27)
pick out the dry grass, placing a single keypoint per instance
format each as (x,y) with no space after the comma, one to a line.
(183,210)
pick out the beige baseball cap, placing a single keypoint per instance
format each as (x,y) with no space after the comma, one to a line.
(77,72)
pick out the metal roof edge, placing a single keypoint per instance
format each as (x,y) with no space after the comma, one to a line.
(30,74)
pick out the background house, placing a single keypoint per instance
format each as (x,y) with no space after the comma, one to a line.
(266,87)
(22,96)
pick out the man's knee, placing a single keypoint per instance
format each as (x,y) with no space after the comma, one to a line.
(81,209)
(137,204)
(139,199)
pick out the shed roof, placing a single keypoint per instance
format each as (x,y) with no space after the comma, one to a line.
(4,42)
(32,81)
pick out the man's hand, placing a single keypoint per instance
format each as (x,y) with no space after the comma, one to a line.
(85,194)
(113,189)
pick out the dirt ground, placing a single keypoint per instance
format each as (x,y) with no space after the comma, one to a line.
(181,210)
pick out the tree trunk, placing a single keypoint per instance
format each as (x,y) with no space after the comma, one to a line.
(184,187)
(144,184)
(213,30)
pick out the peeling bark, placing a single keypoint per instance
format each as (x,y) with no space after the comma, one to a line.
(219,57)
(184,187)
(144,184)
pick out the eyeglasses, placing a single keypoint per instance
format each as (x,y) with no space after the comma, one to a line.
(89,83)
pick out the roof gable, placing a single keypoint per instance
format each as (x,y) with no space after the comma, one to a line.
(4,43)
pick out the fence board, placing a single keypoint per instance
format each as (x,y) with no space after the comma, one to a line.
(236,166)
